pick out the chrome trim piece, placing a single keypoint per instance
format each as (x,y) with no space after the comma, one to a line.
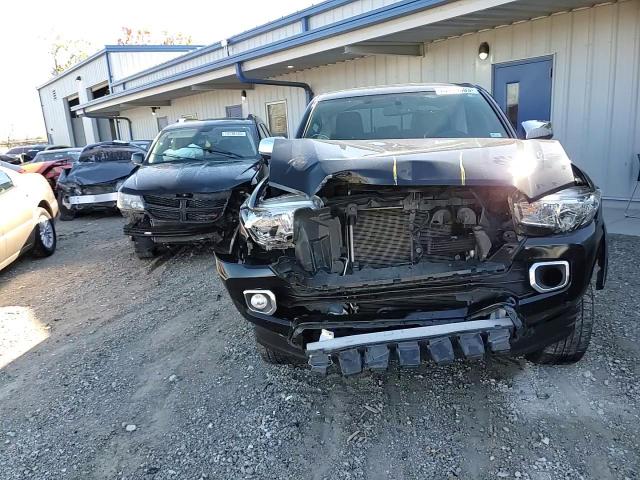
(84,199)
(272,299)
(406,334)
(537,265)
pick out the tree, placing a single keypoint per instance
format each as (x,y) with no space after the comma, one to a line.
(142,36)
(66,53)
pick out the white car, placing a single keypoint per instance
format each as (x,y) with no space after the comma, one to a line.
(28,209)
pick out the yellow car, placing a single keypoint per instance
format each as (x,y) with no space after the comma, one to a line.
(28,210)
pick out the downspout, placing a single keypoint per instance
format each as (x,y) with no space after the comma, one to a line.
(280,83)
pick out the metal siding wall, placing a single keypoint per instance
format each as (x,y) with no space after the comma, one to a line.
(351,9)
(124,64)
(173,69)
(595,106)
(92,74)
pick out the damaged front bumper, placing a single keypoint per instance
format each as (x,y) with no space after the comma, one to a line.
(464,315)
(103,198)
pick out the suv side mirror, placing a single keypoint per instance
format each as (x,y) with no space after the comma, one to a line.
(137,158)
(537,129)
(266,146)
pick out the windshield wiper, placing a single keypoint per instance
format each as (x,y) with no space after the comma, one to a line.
(226,153)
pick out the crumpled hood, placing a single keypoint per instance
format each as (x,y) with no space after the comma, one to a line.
(189,177)
(535,167)
(93,173)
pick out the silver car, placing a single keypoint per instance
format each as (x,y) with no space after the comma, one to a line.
(28,209)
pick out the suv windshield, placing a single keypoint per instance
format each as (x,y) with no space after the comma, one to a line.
(441,112)
(108,153)
(215,143)
(51,155)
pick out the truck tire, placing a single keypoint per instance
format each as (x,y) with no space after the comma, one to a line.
(66,214)
(571,349)
(275,357)
(45,235)
(144,247)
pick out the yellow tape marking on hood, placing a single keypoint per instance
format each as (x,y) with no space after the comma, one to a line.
(395,171)
(463,177)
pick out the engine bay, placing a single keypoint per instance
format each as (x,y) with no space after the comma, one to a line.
(359,227)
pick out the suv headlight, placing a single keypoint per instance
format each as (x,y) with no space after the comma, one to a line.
(127,201)
(270,222)
(559,212)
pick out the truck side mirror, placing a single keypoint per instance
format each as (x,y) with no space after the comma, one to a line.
(137,158)
(537,129)
(266,146)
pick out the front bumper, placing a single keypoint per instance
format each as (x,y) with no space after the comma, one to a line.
(538,319)
(173,233)
(103,198)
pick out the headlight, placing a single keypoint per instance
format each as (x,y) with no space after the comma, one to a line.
(130,202)
(270,223)
(560,212)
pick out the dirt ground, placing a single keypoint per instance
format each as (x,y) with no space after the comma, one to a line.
(112,367)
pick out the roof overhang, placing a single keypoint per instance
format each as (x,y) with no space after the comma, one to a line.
(397,29)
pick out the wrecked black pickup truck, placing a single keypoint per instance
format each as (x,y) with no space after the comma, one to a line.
(190,185)
(410,223)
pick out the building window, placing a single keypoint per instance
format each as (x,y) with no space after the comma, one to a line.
(277,118)
(233,111)
(162,122)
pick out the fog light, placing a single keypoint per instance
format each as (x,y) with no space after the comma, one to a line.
(260,301)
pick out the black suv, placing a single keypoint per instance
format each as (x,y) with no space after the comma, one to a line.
(411,223)
(191,183)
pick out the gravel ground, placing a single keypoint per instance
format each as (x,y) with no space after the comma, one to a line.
(133,369)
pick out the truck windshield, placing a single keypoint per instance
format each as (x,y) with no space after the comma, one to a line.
(211,143)
(440,112)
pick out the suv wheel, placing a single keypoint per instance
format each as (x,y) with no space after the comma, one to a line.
(572,348)
(45,235)
(144,247)
(66,210)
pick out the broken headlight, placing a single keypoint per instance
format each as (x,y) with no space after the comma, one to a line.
(270,222)
(130,202)
(559,212)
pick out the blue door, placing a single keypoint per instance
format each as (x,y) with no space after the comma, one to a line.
(523,90)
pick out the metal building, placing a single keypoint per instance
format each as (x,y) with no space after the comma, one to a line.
(89,80)
(576,62)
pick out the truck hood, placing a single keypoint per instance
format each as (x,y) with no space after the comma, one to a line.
(535,167)
(189,177)
(93,173)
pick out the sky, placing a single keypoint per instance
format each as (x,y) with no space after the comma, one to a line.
(29,28)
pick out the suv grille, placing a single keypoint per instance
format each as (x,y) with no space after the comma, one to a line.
(191,208)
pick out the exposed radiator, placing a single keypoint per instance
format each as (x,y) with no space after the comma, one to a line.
(386,237)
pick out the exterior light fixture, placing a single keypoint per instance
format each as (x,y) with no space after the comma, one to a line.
(483,51)
(290,67)
(243,95)
(153,110)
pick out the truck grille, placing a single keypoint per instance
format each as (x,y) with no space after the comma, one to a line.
(386,237)
(190,208)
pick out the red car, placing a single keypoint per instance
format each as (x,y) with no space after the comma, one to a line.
(49,163)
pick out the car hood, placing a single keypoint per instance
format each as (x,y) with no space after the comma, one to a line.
(190,177)
(92,173)
(535,167)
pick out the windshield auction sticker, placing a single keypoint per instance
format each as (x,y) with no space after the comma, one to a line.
(234,134)
(455,90)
